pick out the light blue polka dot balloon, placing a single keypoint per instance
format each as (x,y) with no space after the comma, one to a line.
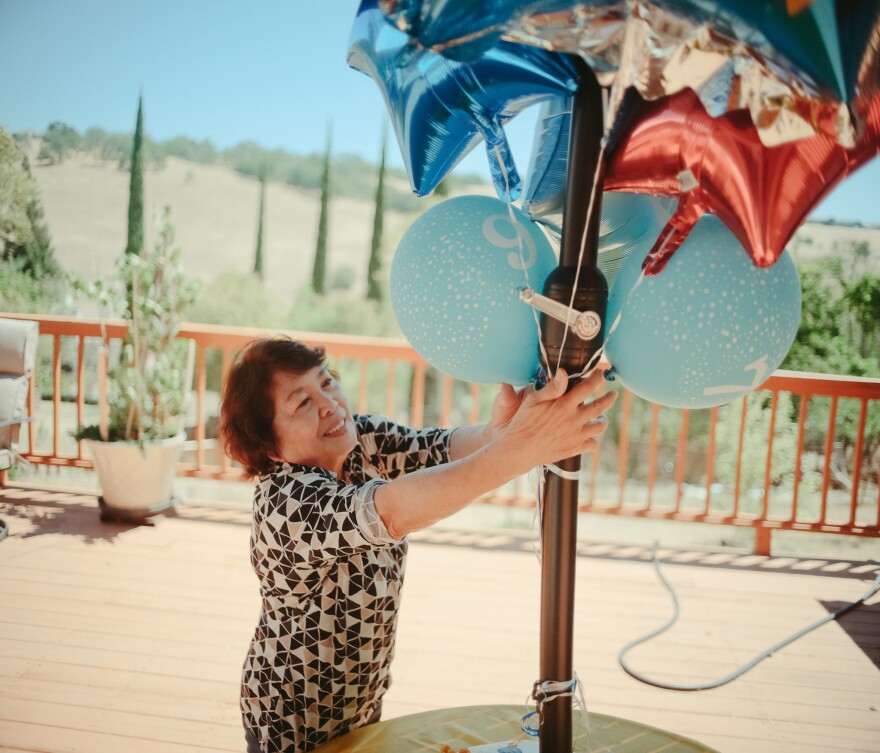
(455,283)
(709,328)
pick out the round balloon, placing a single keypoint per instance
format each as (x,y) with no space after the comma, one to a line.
(709,328)
(455,284)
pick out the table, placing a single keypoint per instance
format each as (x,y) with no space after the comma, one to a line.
(467,726)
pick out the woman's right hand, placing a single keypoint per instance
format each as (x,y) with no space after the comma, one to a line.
(551,424)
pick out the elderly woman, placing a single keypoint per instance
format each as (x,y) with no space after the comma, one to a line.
(336,496)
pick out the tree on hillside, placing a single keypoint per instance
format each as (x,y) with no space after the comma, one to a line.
(862,298)
(202,152)
(442,189)
(319,270)
(24,236)
(136,186)
(58,140)
(374,286)
(17,190)
(258,254)
(837,335)
(38,257)
(835,311)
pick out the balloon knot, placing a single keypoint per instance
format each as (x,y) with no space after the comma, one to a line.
(610,374)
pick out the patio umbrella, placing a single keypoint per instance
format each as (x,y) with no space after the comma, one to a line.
(781,71)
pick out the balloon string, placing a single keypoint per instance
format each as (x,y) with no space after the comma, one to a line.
(539,515)
(549,690)
(513,221)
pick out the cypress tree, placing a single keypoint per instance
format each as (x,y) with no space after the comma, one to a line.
(136,186)
(374,288)
(38,256)
(319,270)
(258,254)
(442,190)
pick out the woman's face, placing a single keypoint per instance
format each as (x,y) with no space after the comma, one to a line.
(313,424)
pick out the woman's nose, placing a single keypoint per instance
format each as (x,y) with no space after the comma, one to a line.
(328,403)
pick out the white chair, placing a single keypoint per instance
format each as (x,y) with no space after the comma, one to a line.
(18,355)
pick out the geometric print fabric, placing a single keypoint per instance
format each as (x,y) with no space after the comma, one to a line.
(330,579)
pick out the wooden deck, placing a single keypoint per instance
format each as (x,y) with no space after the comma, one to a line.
(119,638)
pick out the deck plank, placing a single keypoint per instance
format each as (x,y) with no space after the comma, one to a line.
(132,638)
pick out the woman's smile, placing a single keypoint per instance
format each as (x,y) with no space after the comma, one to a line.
(337,430)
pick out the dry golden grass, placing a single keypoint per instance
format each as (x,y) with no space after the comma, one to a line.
(215,211)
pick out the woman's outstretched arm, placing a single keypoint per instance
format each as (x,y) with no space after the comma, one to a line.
(543,426)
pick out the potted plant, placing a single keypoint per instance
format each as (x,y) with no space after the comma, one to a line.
(137,441)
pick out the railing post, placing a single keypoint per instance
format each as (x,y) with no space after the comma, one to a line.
(763,538)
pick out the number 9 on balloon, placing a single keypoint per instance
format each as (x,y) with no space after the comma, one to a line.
(455,284)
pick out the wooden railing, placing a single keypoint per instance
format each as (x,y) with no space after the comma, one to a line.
(800,453)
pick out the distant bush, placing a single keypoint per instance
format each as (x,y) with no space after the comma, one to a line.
(20,292)
(237,299)
(342,312)
(203,152)
(58,141)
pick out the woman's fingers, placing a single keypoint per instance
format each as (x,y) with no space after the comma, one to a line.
(601,404)
(553,390)
(596,427)
(557,386)
(587,387)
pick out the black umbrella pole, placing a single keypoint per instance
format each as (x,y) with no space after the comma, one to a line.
(586,289)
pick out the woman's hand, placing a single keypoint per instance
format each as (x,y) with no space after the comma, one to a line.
(551,424)
(506,403)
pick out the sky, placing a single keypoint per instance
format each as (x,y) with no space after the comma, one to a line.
(270,71)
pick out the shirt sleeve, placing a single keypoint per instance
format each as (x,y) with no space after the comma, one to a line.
(311,517)
(397,450)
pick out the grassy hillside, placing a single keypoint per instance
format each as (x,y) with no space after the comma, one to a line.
(215,211)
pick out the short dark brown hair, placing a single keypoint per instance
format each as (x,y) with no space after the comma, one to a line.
(247,410)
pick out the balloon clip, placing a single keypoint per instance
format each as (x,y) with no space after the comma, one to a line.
(585,324)
(687,181)
(541,378)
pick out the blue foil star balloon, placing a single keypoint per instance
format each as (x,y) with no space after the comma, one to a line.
(441,108)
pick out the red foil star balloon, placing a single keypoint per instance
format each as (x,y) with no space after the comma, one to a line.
(719,166)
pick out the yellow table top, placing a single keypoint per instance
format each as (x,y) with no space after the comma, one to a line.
(477,725)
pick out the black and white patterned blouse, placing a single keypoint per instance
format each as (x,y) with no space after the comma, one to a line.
(330,578)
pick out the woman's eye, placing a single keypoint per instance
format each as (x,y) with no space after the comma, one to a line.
(304,403)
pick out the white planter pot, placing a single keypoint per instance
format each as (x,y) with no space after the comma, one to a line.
(137,478)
